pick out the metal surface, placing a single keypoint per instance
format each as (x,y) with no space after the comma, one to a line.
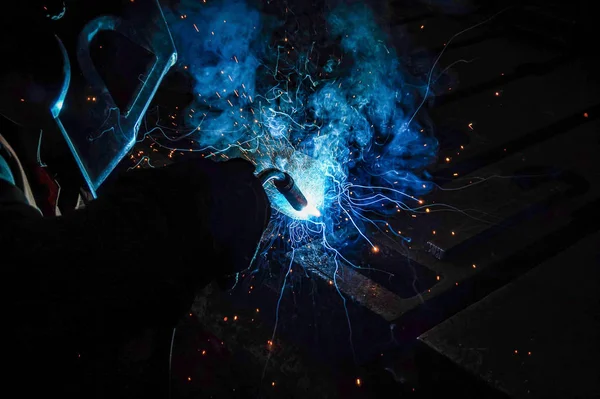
(538,336)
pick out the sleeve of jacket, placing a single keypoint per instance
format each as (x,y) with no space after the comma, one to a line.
(137,253)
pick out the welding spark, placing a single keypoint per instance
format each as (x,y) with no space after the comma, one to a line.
(344,120)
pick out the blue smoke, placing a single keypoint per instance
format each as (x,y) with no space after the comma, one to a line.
(331,104)
(217,44)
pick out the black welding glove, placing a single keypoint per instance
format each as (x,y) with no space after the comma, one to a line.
(132,259)
(201,221)
(151,240)
(239,210)
(223,202)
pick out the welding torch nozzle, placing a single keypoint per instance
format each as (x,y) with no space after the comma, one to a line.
(284,183)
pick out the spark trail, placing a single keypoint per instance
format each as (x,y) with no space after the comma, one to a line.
(324,98)
(334,108)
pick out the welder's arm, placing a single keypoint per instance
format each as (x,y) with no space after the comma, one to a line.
(149,240)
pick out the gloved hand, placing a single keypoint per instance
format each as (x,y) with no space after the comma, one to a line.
(160,234)
(201,200)
(239,210)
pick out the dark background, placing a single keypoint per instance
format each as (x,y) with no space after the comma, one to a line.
(502,305)
(524,321)
(507,306)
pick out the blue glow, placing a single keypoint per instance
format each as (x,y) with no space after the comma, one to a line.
(58,105)
(325,99)
(343,122)
(56,108)
(312,183)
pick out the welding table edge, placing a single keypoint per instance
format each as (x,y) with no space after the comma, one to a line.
(355,285)
(440,341)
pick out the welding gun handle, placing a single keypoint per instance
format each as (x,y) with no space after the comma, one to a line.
(285,184)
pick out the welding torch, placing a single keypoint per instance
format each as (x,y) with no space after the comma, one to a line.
(284,183)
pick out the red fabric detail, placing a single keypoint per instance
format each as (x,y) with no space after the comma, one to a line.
(47,202)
